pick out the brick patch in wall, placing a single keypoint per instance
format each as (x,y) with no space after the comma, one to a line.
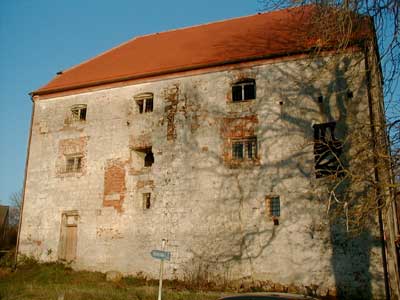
(114,184)
(171,96)
(236,128)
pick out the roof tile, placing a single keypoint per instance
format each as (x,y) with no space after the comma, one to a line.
(246,38)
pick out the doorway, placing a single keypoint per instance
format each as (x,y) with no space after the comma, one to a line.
(68,236)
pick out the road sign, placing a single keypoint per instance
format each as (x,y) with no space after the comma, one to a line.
(159,254)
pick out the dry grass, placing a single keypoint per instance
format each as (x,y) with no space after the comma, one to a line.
(55,281)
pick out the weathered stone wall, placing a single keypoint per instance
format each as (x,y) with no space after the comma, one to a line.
(211,209)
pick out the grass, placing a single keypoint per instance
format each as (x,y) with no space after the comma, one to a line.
(35,281)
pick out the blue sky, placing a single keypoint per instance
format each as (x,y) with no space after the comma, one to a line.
(39,38)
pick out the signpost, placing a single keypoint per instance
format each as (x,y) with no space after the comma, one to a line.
(161,255)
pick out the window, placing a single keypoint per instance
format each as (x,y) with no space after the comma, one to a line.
(144,102)
(149,157)
(142,157)
(244,149)
(244,90)
(273,208)
(327,150)
(79,112)
(73,163)
(146,200)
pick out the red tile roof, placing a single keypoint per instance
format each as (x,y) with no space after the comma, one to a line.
(277,33)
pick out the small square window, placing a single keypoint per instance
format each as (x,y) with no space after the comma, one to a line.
(144,102)
(244,90)
(146,200)
(79,112)
(73,164)
(244,149)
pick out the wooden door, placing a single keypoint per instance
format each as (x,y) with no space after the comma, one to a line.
(68,237)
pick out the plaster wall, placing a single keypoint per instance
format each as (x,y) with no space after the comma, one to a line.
(211,209)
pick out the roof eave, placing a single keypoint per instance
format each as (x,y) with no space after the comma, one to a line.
(41,92)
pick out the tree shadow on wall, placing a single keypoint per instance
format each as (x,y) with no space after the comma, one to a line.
(351,253)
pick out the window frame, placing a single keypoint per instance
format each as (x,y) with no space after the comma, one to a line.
(146,197)
(77,163)
(79,112)
(243,84)
(275,206)
(144,103)
(248,146)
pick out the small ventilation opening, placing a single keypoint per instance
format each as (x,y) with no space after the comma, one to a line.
(349,94)
(146,200)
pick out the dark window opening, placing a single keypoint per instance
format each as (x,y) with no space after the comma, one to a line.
(140,105)
(73,164)
(79,112)
(244,149)
(320,99)
(349,94)
(237,93)
(149,105)
(244,90)
(146,200)
(144,102)
(237,150)
(327,150)
(149,157)
(142,158)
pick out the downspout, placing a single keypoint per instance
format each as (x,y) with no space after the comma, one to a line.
(24,189)
(376,174)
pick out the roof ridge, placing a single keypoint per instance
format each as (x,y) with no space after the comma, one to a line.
(204,24)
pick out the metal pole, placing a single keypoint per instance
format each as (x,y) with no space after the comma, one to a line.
(161,269)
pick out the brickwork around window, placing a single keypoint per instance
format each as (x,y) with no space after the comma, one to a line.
(240,145)
(71,159)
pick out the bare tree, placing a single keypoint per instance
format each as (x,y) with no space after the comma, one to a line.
(386,17)
(363,191)
(15,209)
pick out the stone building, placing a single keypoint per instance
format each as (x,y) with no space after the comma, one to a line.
(219,138)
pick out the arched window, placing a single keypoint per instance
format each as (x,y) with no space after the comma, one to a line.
(244,90)
(144,102)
